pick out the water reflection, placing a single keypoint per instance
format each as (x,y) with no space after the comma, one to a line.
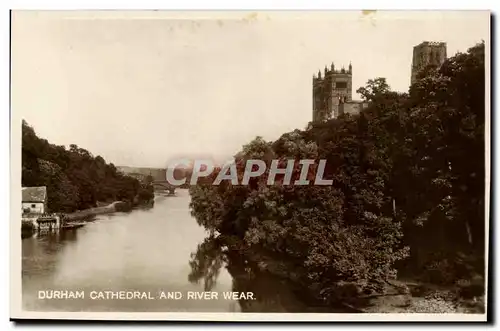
(206,263)
(271,293)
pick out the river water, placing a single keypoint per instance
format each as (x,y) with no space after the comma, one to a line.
(142,251)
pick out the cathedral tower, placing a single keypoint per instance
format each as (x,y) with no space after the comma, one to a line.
(330,89)
(425,54)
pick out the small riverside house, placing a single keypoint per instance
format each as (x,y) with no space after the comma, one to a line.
(34,200)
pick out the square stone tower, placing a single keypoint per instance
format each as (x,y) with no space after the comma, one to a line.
(329,90)
(425,54)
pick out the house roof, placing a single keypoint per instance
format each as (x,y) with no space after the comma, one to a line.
(34,194)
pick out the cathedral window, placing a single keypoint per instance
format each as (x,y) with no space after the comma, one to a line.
(341,85)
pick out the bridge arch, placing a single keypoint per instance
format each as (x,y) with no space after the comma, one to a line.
(163,185)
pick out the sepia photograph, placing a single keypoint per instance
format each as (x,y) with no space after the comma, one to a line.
(250,166)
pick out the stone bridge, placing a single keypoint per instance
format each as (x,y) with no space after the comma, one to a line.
(163,185)
(158,175)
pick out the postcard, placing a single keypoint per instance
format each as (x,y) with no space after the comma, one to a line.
(250,166)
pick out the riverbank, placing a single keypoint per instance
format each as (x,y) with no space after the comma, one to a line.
(88,214)
(81,215)
(420,297)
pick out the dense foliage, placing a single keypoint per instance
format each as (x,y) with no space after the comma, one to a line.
(408,192)
(74,178)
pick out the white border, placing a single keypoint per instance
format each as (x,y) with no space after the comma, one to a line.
(257,317)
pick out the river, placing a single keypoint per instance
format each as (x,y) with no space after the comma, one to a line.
(146,250)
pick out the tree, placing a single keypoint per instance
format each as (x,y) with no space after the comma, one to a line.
(407,172)
(448,129)
(74,178)
(373,88)
(149,179)
(301,233)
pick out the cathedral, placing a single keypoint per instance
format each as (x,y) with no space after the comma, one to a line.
(332,94)
(332,90)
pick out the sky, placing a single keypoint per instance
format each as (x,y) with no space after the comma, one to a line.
(143,88)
